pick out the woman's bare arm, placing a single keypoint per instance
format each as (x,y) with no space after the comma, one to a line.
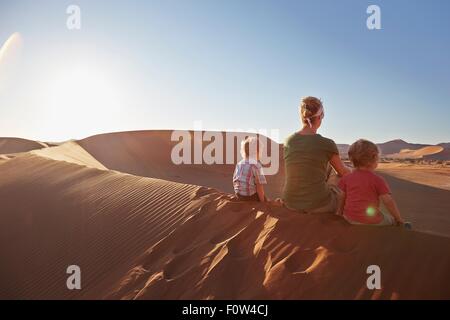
(339,166)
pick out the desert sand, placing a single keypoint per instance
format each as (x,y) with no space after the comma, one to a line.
(434,175)
(141,227)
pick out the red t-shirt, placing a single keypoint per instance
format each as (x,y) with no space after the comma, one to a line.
(362,189)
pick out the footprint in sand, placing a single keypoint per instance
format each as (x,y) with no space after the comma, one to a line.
(303,260)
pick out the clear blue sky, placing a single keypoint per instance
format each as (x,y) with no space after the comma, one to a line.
(230,64)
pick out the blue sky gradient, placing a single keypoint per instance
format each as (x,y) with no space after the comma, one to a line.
(232,65)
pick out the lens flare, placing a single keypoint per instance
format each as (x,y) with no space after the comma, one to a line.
(10,48)
(371,211)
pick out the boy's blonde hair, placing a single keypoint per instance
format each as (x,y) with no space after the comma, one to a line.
(363,153)
(249,146)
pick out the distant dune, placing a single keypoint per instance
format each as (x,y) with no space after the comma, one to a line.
(109,204)
(444,155)
(15,145)
(416,154)
(445,145)
(398,145)
(400,149)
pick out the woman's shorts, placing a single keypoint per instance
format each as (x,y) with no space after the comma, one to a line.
(333,205)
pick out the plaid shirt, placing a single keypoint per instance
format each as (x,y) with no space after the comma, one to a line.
(246,175)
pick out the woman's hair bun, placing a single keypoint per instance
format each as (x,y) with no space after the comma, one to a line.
(309,106)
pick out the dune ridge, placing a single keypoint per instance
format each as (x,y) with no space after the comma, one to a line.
(400,149)
(71,152)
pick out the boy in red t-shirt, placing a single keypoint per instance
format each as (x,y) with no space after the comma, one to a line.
(363,190)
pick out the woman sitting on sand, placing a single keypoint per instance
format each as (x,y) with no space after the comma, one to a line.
(307,157)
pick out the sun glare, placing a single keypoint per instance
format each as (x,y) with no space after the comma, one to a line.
(82,89)
(81,100)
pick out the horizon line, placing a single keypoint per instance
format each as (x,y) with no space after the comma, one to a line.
(197,130)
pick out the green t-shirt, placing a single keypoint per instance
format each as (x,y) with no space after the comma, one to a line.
(306,159)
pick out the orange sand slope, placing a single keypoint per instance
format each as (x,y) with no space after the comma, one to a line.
(55,214)
(234,251)
(146,238)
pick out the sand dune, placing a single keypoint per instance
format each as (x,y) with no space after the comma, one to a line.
(70,152)
(444,155)
(423,151)
(395,146)
(399,149)
(416,154)
(55,214)
(139,237)
(237,251)
(16,145)
(147,153)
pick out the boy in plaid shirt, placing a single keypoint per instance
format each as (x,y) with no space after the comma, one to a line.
(248,177)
